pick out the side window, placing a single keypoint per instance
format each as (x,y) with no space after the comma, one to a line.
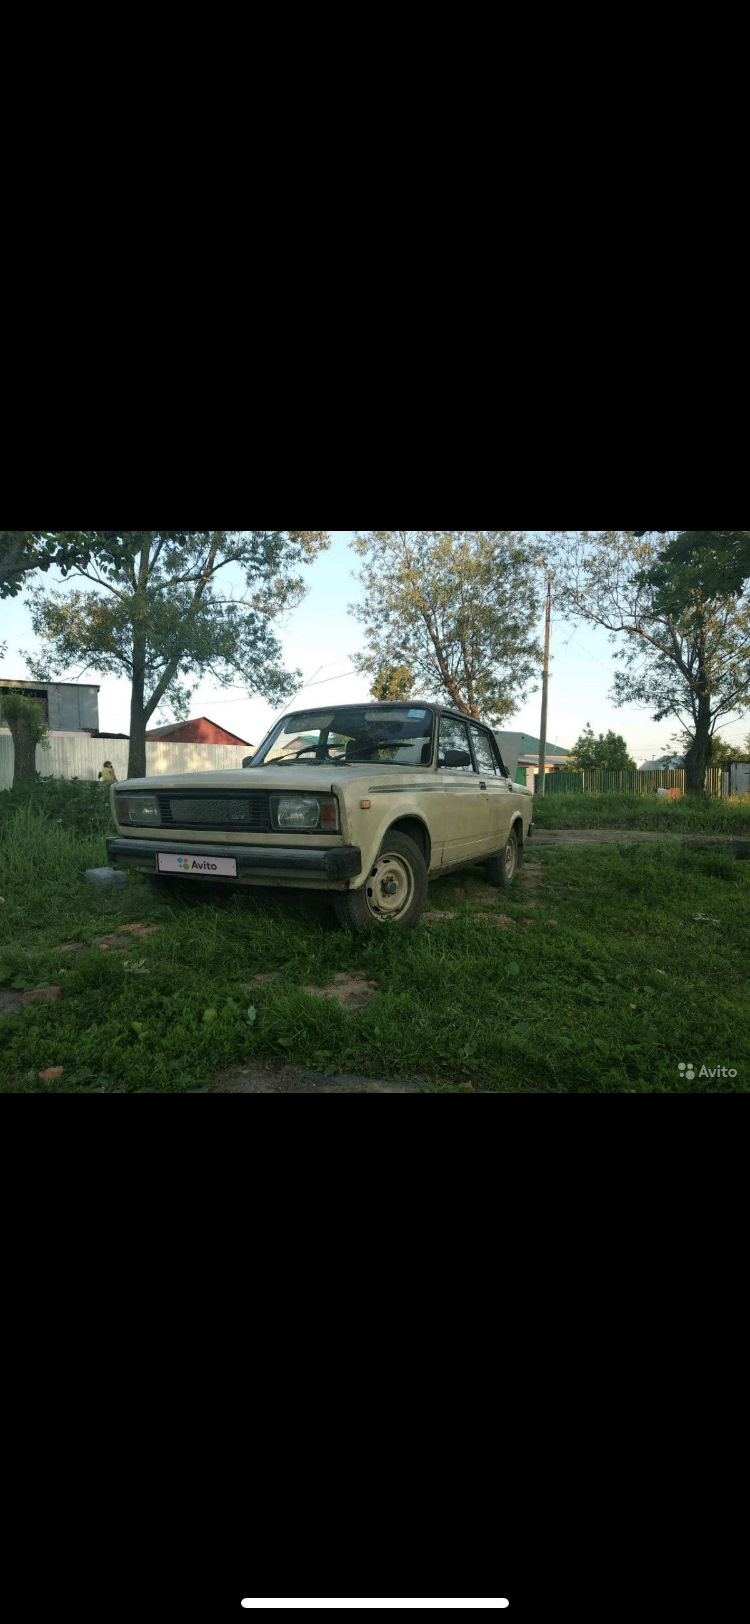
(483,751)
(453,746)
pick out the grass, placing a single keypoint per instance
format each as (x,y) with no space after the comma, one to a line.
(692,814)
(612,984)
(73,803)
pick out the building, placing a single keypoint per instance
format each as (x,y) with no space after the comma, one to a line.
(735,780)
(72,708)
(520,752)
(68,707)
(199,730)
(662,763)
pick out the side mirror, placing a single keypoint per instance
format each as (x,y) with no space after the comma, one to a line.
(454,758)
(247,761)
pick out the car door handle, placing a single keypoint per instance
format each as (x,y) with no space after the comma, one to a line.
(482,784)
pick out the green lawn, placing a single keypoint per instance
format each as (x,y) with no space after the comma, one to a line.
(692,814)
(612,983)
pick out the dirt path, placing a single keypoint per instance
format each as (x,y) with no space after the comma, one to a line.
(613,837)
(280,1079)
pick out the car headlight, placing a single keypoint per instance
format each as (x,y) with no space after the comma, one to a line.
(305,814)
(142,809)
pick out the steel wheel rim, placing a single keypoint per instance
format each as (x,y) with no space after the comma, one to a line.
(510,858)
(389,888)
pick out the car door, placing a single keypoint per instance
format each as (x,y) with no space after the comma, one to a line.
(464,805)
(501,803)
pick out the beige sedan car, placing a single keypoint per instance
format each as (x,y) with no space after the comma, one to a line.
(368,802)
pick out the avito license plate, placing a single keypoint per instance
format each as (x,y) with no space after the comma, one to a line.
(169,862)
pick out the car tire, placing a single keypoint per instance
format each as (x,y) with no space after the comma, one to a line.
(394,892)
(503,867)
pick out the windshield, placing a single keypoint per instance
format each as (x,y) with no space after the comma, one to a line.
(401,734)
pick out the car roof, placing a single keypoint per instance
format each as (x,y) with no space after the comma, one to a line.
(392,704)
(402,704)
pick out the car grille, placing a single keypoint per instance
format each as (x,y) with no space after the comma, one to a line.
(216,809)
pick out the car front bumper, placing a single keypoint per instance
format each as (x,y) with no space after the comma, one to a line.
(333,863)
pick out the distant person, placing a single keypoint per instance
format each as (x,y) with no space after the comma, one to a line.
(108,774)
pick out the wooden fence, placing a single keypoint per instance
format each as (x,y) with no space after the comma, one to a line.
(597,782)
(83,757)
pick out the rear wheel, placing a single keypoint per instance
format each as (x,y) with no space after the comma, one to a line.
(503,867)
(394,892)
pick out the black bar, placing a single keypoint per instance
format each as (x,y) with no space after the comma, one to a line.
(337,862)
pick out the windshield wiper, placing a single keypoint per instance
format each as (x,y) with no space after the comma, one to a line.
(298,761)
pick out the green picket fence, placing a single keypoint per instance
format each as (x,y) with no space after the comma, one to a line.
(597,782)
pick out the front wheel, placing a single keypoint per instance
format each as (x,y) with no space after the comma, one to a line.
(394,892)
(502,869)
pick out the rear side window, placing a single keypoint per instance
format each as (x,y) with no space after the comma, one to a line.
(454,737)
(483,751)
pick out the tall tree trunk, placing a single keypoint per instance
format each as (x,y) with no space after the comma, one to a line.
(699,755)
(24,750)
(137,750)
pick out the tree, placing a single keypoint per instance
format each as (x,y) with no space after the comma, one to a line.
(161,614)
(609,752)
(28,728)
(722,752)
(392,682)
(24,551)
(453,611)
(714,562)
(20,552)
(687,651)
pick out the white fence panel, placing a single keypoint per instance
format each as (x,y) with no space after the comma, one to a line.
(192,758)
(738,778)
(84,757)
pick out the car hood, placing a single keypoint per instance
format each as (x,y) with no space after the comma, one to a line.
(296,779)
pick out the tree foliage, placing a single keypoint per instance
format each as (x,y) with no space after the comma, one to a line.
(686,628)
(163,611)
(451,613)
(713,563)
(722,752)
(608,751)
(26,722)
(24,551)
(392,682)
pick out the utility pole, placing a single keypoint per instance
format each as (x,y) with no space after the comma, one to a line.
(545,685)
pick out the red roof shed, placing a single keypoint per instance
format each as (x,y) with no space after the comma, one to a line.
(199,730)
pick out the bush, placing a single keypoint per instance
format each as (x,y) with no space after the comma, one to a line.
(73,803)
(28,728)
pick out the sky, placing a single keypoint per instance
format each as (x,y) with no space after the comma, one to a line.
(320,636)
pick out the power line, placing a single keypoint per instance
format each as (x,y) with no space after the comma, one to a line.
(249,698)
